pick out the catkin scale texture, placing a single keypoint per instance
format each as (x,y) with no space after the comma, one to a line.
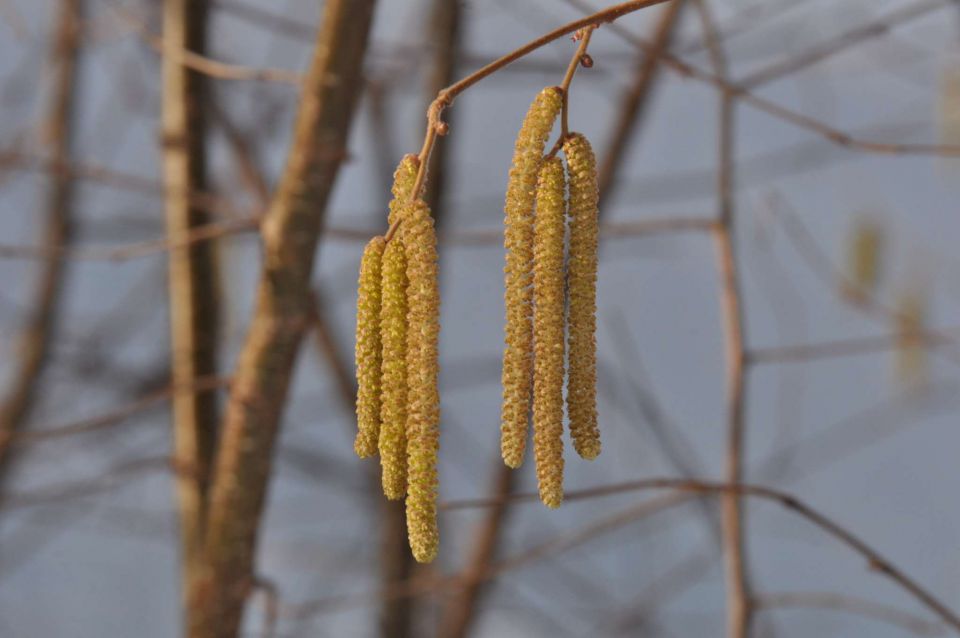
(404,179)
(582,290)
(518,274)
(548,331)
(423,418)
(368,353)
(393,334)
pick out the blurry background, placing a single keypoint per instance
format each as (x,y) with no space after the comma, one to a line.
(850,283)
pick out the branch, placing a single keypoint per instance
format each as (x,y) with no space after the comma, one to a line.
(192,274)
(731,306)
(875,560)
(290,229)
(41,324)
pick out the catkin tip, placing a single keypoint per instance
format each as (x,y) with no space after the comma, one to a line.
(518,272)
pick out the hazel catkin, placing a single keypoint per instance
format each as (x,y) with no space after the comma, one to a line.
(368,353)
(393,334)
(548,331)
(582,290)
(518,275)
(423,416)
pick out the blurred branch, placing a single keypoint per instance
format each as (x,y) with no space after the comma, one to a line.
(33,344)
(731,306)
(844,41)
(633,105)
(874,559)
(290,231)
(741,93)
(853,605)
(461,610)
(192,274)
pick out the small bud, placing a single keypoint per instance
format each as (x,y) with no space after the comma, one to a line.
(586,61)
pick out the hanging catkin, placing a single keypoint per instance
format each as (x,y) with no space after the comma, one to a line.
(423,417)
(582,288)
(393,331)
(518,241)
(393,335)
(368,354)
(548,331)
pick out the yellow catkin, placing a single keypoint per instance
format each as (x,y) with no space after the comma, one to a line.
(368,353)
(548,331)
(518,296)
(582,290)
(393,436)
(393,331)
(423,418)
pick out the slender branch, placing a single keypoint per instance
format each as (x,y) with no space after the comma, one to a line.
(842,42)
(192,274)
(579,58)
(460,611)
(875,560)
(732,514)
(852,605)
(446,97)
(773,109)
(291,230)
(45,308)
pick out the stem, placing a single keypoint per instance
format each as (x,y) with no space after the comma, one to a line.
(192,274)
(446,97)
(568,78)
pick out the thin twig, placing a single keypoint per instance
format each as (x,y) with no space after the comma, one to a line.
(45,307)
(874,559)
(192,275)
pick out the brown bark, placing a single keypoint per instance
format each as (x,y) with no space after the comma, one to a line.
(283,311)
(191,270)
(33,345)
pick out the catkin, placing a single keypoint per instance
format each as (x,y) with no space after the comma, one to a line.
(582,290)
(548,331)
(393,331)
(368,354)
(423,417)
(518,296)
(393,328)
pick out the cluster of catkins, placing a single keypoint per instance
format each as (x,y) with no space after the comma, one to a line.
(398,403)
(537,209)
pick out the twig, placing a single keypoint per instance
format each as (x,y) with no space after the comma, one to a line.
(192,275)
(733,518)
(45,308)
(460,611)
(842,42)
(446,97)
(853,605)
(290,233)
(773,109)
(875,560)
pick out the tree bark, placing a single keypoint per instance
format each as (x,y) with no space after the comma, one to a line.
(283,312)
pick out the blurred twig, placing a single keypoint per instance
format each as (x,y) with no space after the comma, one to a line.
(45,307)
